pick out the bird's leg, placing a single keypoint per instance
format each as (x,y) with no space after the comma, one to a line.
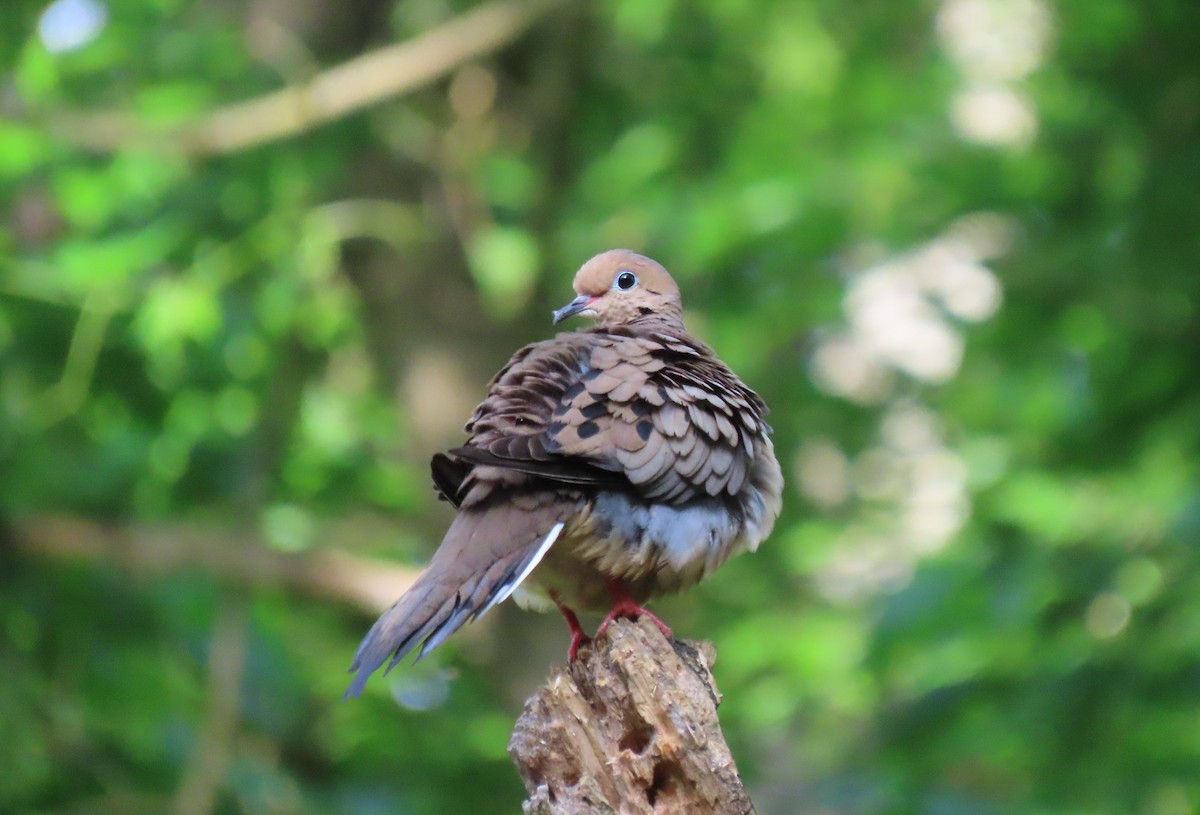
(578,635)
(625,606)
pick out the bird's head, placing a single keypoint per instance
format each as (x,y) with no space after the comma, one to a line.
(618,287)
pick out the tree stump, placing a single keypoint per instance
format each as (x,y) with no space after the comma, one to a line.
(629,728)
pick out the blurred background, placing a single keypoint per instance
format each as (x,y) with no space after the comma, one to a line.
(259,259)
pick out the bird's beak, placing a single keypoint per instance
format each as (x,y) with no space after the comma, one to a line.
(577,306)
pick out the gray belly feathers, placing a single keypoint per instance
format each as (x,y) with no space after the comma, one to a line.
(653,548)
(664,537)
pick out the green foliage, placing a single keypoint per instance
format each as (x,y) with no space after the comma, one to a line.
(949,242)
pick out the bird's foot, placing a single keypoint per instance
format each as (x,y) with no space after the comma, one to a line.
(578,635)
(633,611)
(625,606)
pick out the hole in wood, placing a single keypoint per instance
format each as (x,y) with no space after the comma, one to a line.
(637,739)
(663,782)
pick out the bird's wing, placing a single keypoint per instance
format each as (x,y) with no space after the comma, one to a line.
(666,413)
(656,413)
(509,444)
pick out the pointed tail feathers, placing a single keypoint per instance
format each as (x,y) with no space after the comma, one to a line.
(485,555)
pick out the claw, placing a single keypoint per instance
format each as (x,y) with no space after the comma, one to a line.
(625,606)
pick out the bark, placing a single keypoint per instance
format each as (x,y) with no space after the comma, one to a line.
(629,728)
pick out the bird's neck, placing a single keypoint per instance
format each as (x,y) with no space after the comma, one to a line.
(667,322)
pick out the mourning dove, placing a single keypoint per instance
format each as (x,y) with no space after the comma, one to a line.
(604,467)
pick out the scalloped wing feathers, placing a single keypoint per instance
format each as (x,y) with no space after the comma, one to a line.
(658,411)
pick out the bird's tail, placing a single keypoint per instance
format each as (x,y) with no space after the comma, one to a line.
(486,554)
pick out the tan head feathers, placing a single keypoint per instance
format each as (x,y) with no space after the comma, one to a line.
(619,286)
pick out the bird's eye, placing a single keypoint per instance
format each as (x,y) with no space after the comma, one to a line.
(626,281)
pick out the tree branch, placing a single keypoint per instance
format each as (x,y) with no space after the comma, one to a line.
(238,555)
(343,89)
(629,727)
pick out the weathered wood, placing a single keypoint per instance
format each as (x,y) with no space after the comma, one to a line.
(629,728)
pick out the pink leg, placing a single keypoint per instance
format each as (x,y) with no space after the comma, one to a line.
(625,606)
(578,635)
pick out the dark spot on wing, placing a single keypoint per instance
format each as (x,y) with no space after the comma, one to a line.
(588,429)
(644,429)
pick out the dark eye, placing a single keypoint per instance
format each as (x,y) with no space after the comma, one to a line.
(626,281)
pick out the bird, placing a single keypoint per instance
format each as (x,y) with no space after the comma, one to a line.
(604,467)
